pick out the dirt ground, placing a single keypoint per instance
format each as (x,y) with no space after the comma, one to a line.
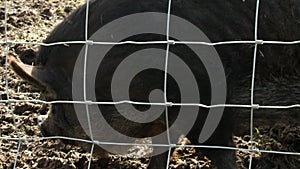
(32,20)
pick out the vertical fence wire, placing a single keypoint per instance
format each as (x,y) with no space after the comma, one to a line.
(6,7)
(17,153)
(253,81)
(166,80)
(166,104)
(85,81)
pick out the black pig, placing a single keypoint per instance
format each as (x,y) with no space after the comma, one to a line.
(219,20)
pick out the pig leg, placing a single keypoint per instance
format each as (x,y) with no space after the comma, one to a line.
(157,161)
(224,159)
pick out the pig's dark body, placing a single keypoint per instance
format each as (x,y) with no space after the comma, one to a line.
(219,20)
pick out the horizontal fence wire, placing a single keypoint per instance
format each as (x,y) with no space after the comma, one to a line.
(171,42)
(31,139)
(167,104)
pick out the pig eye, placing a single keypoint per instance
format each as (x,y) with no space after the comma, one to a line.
(53,110)
(56,109)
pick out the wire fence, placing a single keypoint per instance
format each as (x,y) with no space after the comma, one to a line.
(252,106)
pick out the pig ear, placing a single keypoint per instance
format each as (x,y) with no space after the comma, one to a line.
(32,74)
